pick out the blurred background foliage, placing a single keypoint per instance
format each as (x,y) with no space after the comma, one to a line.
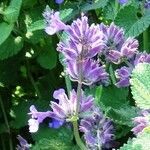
(30,70)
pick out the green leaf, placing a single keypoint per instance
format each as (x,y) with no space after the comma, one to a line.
(114,102)
(37,25)
(113,97)
(109,11)
(10,47)
(46,144)
(138,27)
(47,58)
(141,142)
(5,30)
(123,115)
(95,5)
(20,114)
(140,85)
(12,11)
(48,138)
(126,17)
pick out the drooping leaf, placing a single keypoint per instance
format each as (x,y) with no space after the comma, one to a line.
(12,11)
(5,30)
(140,85)
(10,47)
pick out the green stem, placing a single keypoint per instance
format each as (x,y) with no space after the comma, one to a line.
(33,82)
(145,40)
(78,97)
(112,75)
(3,143)
(68,84)
(7,123)
(77,136)
(116,7)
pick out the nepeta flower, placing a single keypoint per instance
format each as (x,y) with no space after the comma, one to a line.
(142,57)
(141,122)
(36,118)
(117,47)
(55,123)
(23,144)
(83,42)
(90,71)
(59,1)
(123,74)
(147,4)
(53,22)
(66,108)
(123,1)
(98,130)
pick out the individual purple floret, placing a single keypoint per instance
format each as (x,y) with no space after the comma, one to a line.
(141,58)
(83,42)
(66,108)
(98,131)
(59,1)
(123,74)
(122,1)
(117,47)
(147,4)
(53,22)
(23,144)
(141,122)
(56,123)
(36,118)
(91,71)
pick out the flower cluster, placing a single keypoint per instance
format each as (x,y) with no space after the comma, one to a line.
(86,49)
(98,130)
(141,122)
(117,48)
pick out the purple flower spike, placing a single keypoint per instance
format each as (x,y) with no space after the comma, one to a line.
(98,131)
(66,108)
(122,1)
(141,122)
(23,144)
(84,41)
(53,22)
(116,47)
(123,74)
(90,70)
(36,118)
(59,1)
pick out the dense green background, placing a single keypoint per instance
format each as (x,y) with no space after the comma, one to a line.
(30,70)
